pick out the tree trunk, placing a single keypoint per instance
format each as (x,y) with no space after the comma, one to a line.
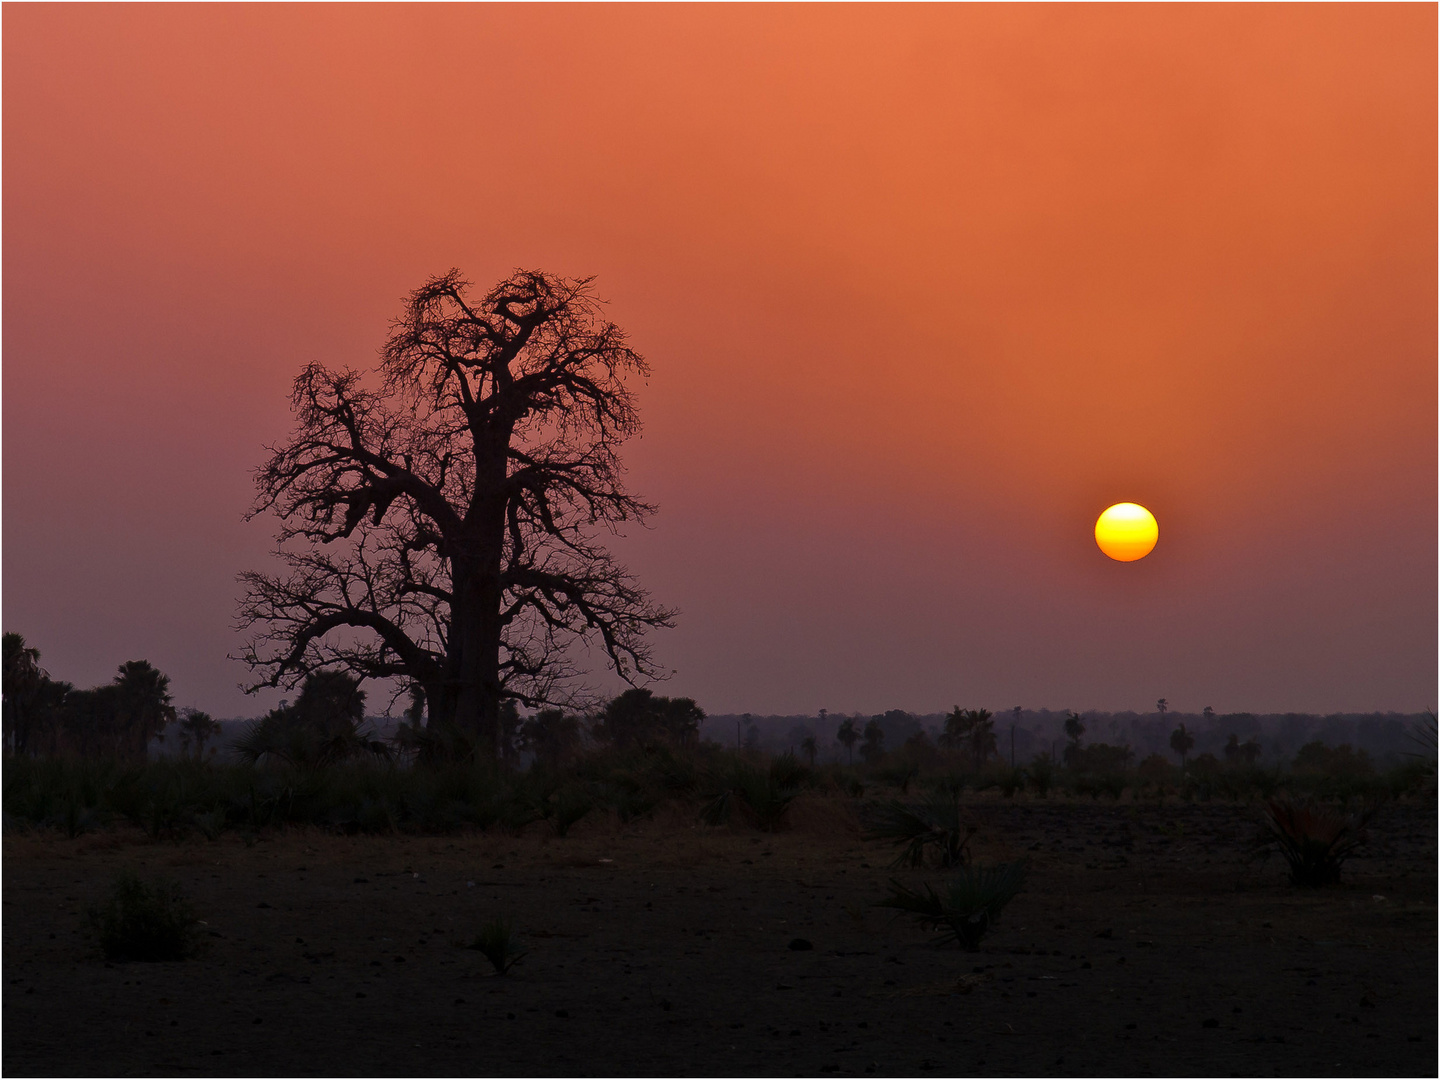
(475,627)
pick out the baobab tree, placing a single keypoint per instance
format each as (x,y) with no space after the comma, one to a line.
(441,522)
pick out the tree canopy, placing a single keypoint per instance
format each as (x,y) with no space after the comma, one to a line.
(638,717)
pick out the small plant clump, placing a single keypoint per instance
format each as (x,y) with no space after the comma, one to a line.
(932,825)
(145,922)
(968,908)
(1315,840)
(497,942)
(762,795)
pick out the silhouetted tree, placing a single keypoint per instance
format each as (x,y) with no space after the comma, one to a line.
(22,679)
(142,708)
(847,737)
(982,736)
(1182,742)
(1074,729)
(1163,706)
(637,717)
(872,749)
(1209,713)
(972,730)
(322,726)
(809,748)
(1238,753)
(88,724)
(196,728)
(552,735)
(509,732)
(955,732)
(441,523)
(918,750)
(48,721)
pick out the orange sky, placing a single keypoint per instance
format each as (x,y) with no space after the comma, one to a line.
(924,289)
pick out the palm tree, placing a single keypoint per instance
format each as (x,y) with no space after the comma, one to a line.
(809,748)
(847,737)
(982,736)
(21,679)
(957,729)
(197,728)
(873,748)
(1181,741)
(143,707)
(1074,728)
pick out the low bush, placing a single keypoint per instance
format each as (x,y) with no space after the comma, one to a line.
(897,775)
(968,907)
(567,806)
(1315,840)
(763,796)
(498,944)
(932,825)
(144,922)
(1042,774)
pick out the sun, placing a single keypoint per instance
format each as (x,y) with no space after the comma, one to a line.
(1126,532)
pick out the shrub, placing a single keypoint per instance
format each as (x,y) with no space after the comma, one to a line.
(1315,840)
(762,795)
(568,806)
(498,944)
(933,825)
(145,922)
(839,779)
(787,772)
(1095,785)
(897,775)
(1042,774)
(1011,781)
(968,908)
(1100,758)
(1261,781)
(1339,762)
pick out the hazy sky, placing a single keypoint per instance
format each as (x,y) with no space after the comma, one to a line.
(924,289)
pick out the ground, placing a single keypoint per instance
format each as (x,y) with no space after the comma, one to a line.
(1144,943)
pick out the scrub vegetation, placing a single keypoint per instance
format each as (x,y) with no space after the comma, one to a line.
(966,906)
(496,941)
(145,921)
(316,762)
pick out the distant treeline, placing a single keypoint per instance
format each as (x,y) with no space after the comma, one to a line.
(133,718)
(1385,737)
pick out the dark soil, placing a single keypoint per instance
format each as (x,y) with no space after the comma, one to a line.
(1145,943)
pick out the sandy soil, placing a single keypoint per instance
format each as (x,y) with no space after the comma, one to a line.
(1144,944)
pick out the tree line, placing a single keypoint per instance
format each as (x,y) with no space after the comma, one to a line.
(48,717)
(324,724)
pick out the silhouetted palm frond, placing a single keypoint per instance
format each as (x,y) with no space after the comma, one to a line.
(968,908)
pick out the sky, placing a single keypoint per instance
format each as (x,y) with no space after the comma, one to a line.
(923,290)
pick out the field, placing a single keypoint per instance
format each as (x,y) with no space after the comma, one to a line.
(1148,940)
